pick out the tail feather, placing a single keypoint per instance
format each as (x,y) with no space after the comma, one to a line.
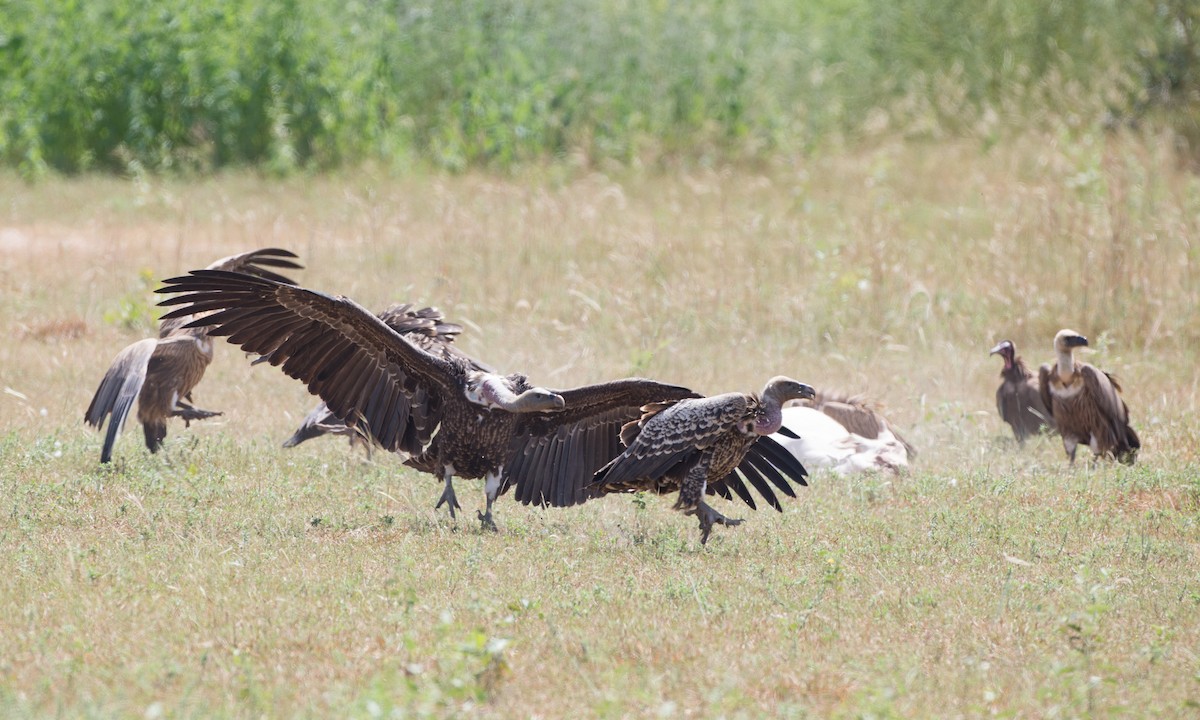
(119,388)
(1128,446)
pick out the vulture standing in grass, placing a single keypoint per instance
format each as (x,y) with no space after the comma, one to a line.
(449,418)
(161,372)
(699,446)
(1086,405)
(426,327)
(1019,397)
(844,433)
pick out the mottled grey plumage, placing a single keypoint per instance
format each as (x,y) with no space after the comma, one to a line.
(161,373)
(448,417)
(707,445)
(1086,404)
(1019,397)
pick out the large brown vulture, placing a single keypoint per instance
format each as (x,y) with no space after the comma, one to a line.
(447,417)
(1019,397)
(426,327)
(699,446)
(1086,404)
(161,372)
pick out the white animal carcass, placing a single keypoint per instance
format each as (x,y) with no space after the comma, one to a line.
(825,443)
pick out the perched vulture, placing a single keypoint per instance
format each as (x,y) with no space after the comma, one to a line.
(426,327)
(1086,404)
(447,417)
(1019,398)
(161,373)
(819,440)
(701,445)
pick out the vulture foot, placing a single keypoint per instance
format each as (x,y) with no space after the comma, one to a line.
(449,500)
(189,413)
(487,522)
(708,518)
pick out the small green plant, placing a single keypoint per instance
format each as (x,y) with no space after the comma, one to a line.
(135,310)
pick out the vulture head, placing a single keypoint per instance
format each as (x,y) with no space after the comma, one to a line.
(511,393)
(1067,340)
(784,388)
(779,390)
(1007,351)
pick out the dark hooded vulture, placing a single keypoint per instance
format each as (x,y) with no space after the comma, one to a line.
(447,417)
(426,328)
(1086,405)
(161,373)
(1019,397)
(707,445)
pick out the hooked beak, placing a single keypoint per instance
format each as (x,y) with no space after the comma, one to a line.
(997,349)
(1077,341)
(807,392)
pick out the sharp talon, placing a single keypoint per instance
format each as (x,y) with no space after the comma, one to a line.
(709,517)
(449,500)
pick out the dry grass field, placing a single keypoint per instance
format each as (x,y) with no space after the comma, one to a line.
(228,577)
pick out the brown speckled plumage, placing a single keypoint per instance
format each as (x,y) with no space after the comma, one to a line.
(707,445)
(448,417)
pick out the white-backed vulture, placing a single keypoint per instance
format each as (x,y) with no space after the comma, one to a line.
(699,446)
(1086,405)
(161,373)
(1019,397)
(859,417)
(447,417)
(820,441)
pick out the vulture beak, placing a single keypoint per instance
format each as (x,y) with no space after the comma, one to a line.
(998,349)
(1077,341)
(807,392)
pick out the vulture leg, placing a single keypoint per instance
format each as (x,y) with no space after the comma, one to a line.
(492,488)
(189,413)
(448,497)
(155,432)
(1070,444)
(708,518)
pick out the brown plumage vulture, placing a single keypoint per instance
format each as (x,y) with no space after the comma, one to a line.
(161,373)
(1086,405)
(700,446)
(425,327)
(447,417)
(1019,397)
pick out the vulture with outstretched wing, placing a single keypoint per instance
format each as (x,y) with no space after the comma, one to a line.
(426,327)
(161,373)
(1086,405)
(449,418)
(708,445)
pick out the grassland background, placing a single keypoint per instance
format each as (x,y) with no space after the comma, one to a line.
(229,577)
(864,195)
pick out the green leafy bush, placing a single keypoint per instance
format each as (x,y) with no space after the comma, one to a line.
(281,85)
